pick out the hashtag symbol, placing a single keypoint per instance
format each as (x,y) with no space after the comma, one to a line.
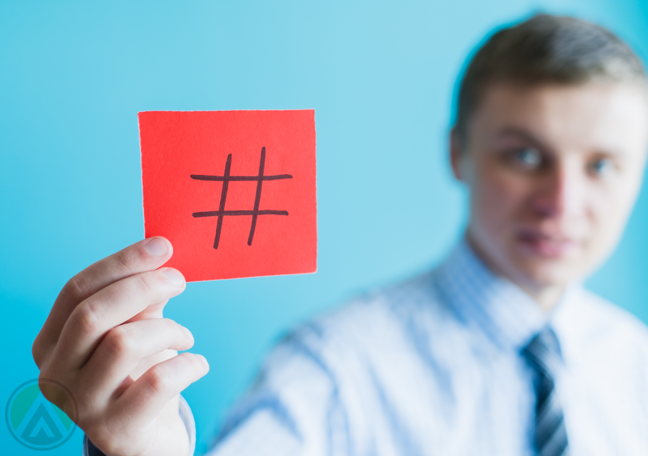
(226,179)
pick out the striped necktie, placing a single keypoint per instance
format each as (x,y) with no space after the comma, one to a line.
(543,354)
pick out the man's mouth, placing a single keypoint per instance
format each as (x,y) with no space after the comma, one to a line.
(544,244)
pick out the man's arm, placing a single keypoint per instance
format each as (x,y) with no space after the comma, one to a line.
(293,408)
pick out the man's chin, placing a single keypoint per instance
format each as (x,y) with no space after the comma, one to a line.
(544,273)
(532,269)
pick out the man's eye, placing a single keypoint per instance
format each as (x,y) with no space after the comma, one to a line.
(528,157)
(601,166)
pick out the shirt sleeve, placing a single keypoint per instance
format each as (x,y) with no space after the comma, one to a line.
(293,408)
(89,449)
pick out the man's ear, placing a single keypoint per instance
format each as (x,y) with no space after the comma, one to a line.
(456,154)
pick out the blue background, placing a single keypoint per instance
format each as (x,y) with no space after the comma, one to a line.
(381,78)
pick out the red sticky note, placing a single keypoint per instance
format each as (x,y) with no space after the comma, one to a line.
(234,191)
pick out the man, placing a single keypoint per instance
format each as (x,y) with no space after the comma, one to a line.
(499,351)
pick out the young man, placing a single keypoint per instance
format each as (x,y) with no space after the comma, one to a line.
(499,351)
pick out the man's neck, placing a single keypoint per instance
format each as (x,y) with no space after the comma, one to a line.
(546,296)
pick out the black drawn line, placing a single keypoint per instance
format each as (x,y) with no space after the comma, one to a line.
(257,198)
(217,213)
(240,178)
(219,225)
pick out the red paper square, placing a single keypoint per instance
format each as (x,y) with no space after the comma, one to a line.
(184,161)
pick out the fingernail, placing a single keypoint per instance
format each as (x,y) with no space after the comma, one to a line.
(187,332)
(174,276)
(203,361)
(156,247)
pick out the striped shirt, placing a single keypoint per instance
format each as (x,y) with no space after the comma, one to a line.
(433,366)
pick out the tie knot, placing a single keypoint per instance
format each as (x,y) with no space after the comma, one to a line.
(544,350)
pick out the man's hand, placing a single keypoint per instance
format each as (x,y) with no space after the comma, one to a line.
(106,341)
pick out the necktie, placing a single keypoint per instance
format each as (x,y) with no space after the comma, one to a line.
(543,354)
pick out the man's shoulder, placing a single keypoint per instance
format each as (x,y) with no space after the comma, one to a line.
(375,317)
(601,318)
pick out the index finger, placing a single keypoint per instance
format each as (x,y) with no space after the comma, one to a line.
(145,255)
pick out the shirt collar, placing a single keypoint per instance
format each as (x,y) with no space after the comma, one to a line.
(499,307)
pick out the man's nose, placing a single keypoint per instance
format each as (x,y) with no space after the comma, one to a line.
(559,192)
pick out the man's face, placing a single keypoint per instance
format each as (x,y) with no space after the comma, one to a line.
(553,173)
